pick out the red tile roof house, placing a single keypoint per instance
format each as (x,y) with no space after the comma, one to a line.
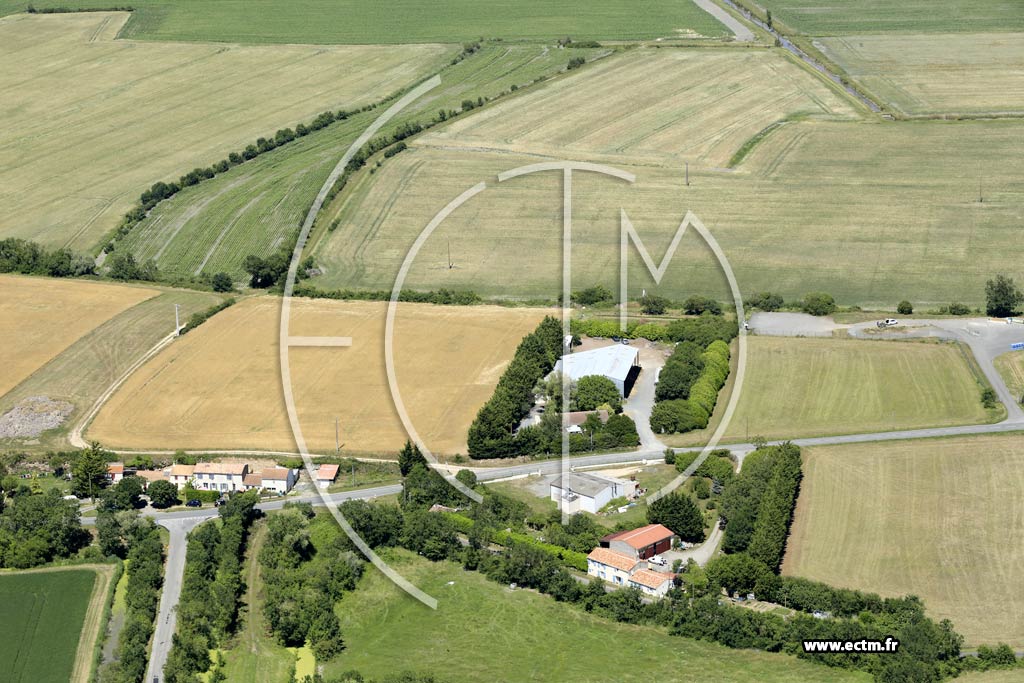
(149,476)
(642,543)
(115,472)
(278,479)
(652,583)
(611,566)
(325,475)
(219,476)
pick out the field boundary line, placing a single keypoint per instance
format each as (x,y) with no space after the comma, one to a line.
(75,437)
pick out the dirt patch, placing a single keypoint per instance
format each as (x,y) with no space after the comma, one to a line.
(33,416)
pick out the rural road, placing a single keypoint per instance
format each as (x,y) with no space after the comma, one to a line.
(167,616)
(641,398)
(742,33)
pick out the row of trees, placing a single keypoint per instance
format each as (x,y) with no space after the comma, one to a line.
(441,297)
(139,541)
(28,258)
(211,588)
(686,404)
(758,504)
(701,330)
(492,433)
(303,581)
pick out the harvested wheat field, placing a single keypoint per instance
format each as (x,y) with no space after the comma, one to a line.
(91,121)
(940,518)
(40,317)
(220,386)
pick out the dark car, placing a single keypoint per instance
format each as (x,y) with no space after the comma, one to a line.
(194,503)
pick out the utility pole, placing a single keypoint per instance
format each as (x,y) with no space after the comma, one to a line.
(687,173)
(337,437)
(981,197)
(450,264)
(177,319)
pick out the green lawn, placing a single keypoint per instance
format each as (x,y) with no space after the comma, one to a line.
(483,631)
(837,17)
(400,21)
(42,620)
(253,207)
(817,387)
(85,369)
(1011,367)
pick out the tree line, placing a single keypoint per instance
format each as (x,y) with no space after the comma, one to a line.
(441,297)
(28,258)
(688,387)
(142,547)
(211,588)
(491,435)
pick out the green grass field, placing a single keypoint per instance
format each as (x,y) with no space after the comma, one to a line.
(941,519)
(902,220)
(1011,368)
(90,121)
(838,17)
(796,388)
(967,73)
(256,657)
(83,371)
(252,208)
(482,631)
(42,622)
(403,21)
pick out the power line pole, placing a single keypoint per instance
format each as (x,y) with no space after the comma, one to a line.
(177,318)
(687,173)
(337,436)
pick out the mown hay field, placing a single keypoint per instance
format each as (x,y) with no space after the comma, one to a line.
(941,518)
(801,387)
(253,208)
(840,17)
(220,386)
(401,21)
(527,637)
(871,212)
(652,107)
(82,371)
(90,121)
(41,317)
(51,621)
(1011,367)
(932,73)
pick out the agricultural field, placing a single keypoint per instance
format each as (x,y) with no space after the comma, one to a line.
(483,631)
(797,388)
(964,73)
(85,369)
(942,519)
(698,105)
(902,218)
(91,122)
(841,17)
(51,620)
(404,21)
(1011,369)
(220,386)
(41,317)
(253,208)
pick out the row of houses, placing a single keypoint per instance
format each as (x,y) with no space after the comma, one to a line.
(224,477)
(622,559)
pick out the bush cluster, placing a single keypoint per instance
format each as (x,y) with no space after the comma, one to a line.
(692,412)
(200,317)
(28,258)
(441,297)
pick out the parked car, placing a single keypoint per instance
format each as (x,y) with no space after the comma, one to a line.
(658,560)
(194,503)
(888,322)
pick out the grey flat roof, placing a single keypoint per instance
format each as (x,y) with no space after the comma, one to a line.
(583,484)
(609,361)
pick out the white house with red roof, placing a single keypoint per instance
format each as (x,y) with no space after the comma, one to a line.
(219,476)
(325,475)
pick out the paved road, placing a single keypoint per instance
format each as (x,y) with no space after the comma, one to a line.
(641,398)
(167,617)
(742,33)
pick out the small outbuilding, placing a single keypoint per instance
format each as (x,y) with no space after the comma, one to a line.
(587,492)
(642,543)
(325,475)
